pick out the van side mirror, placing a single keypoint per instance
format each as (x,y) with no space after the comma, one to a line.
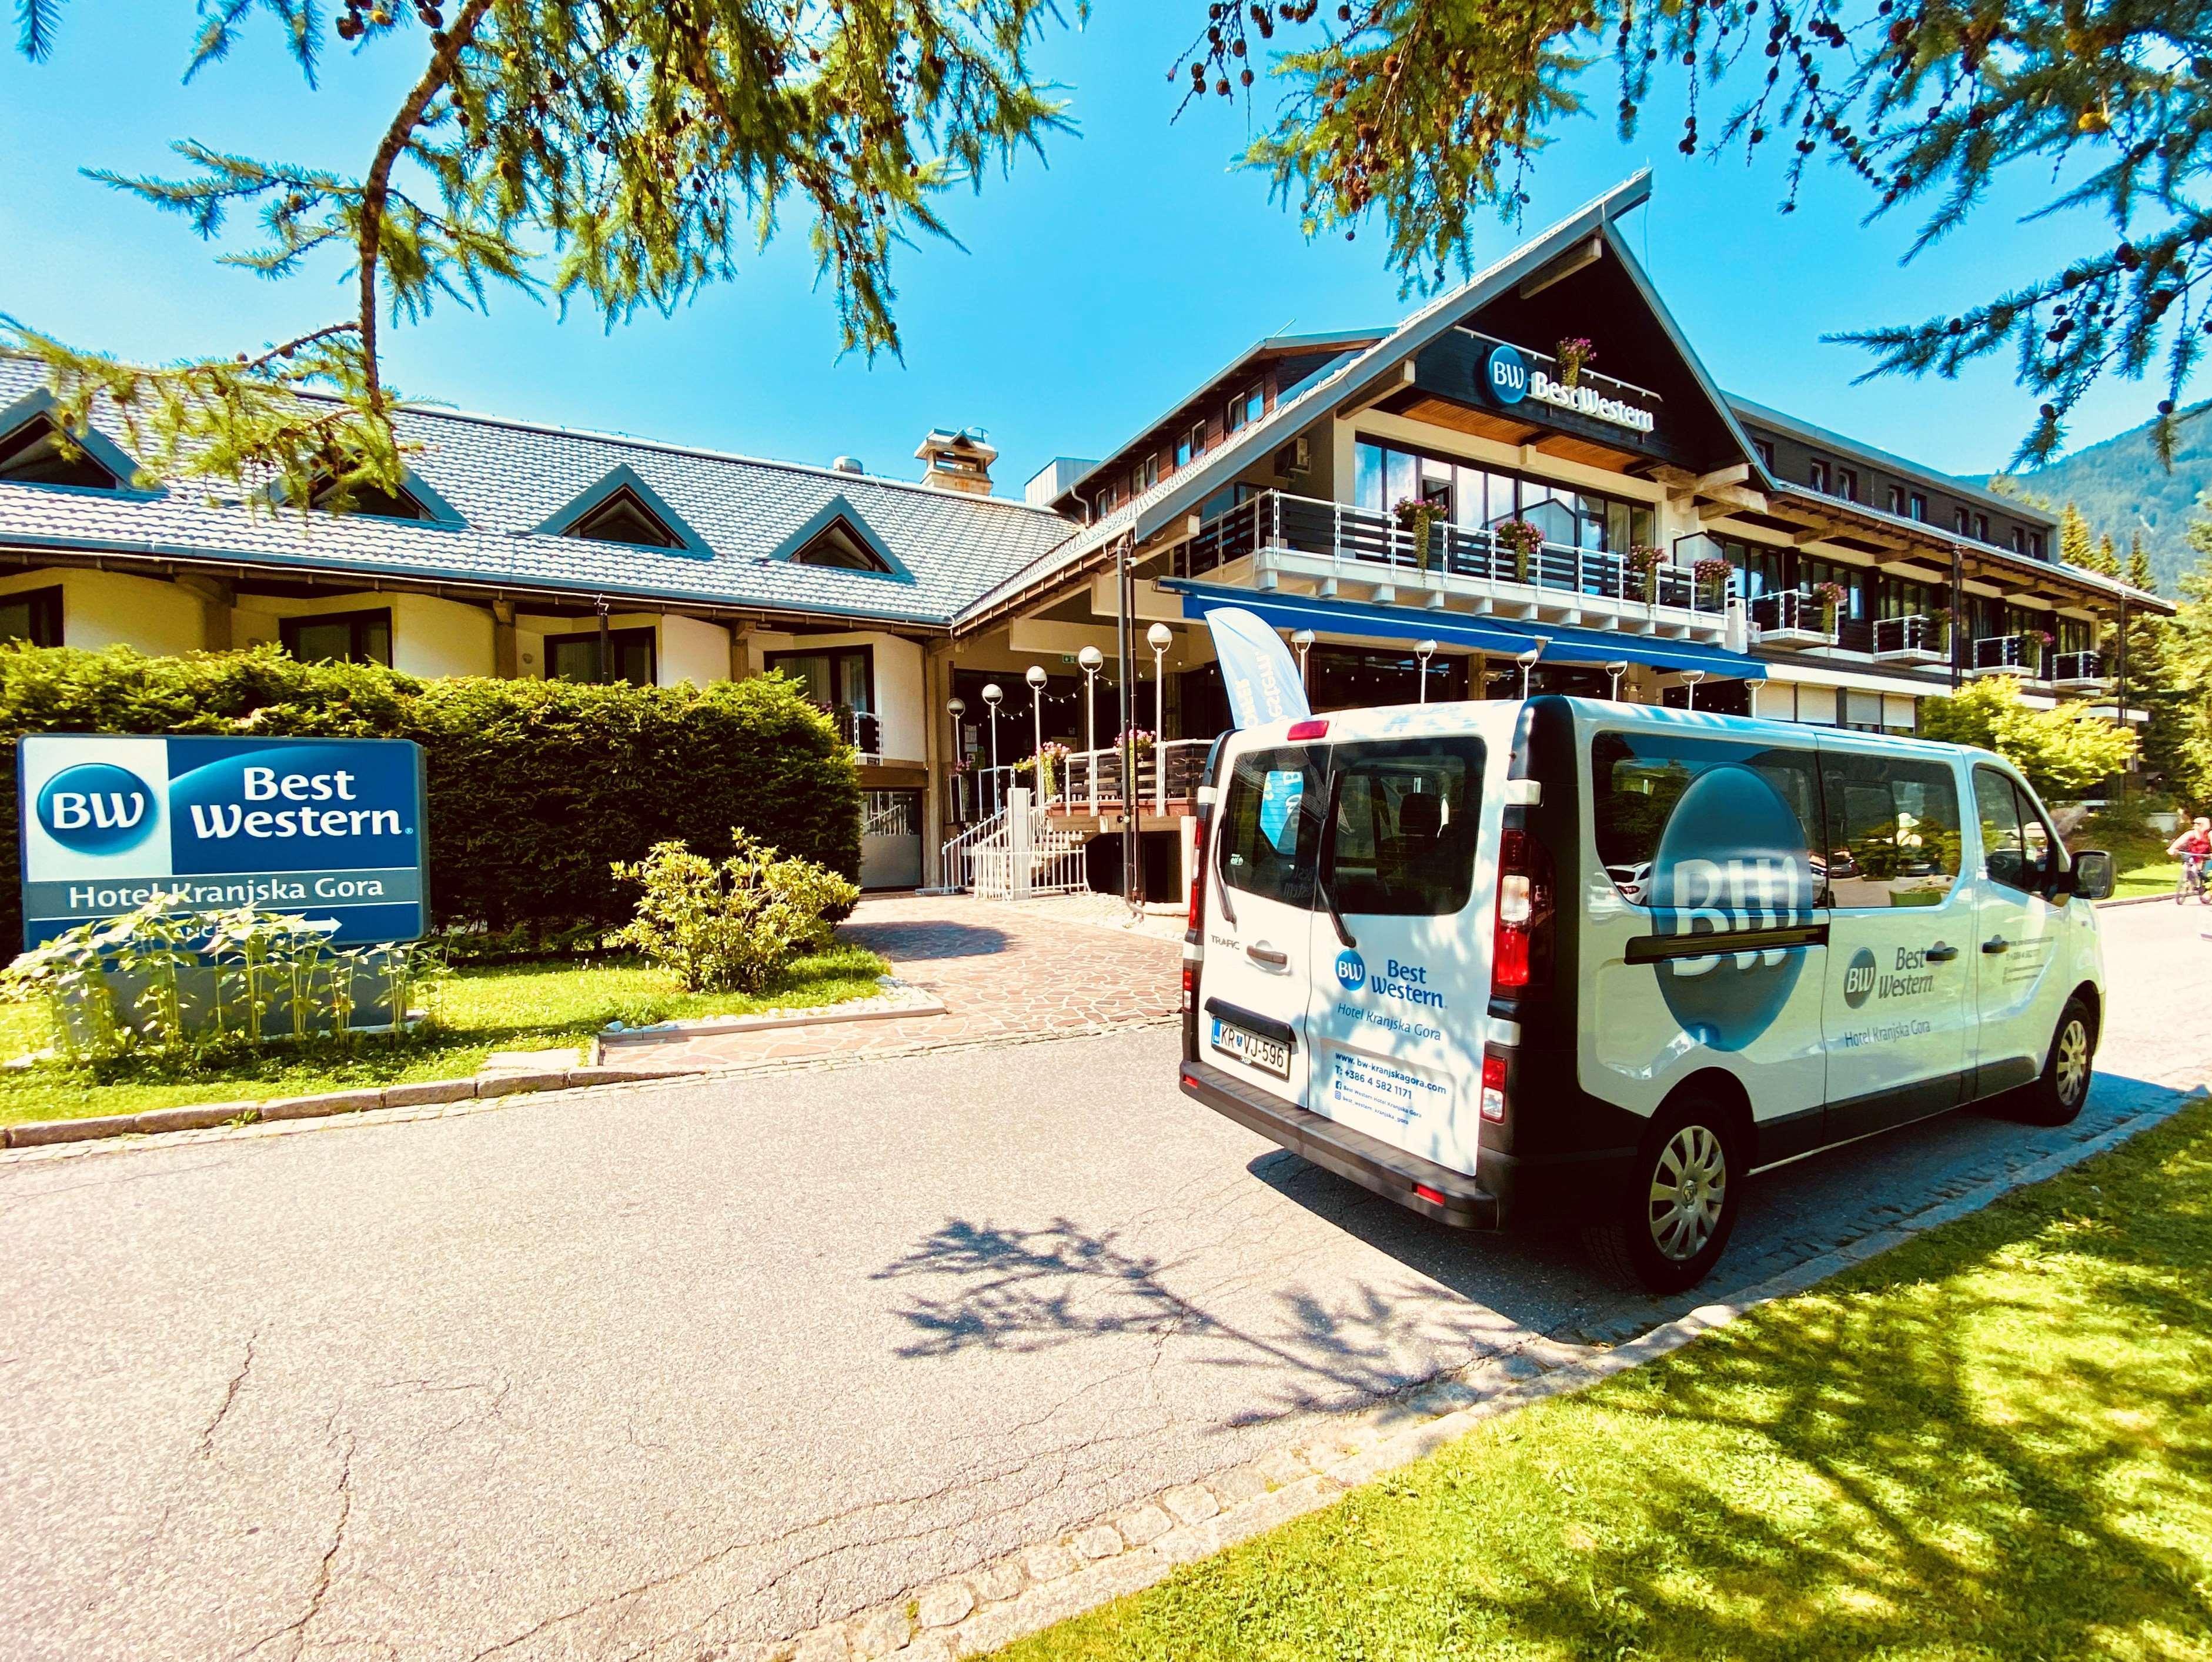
(2093,875)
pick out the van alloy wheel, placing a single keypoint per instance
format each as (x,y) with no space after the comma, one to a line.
(1689,1187)
(2072,1069)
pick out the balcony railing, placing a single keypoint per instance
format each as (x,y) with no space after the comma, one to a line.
(1914,639)
(1276,519)
(2077,667)
(2008,654)
(1168,775)
(1792,618)
(862,729)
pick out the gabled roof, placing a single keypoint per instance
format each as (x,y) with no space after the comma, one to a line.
(103,451)
(620,482)
(504,480)
(835,512)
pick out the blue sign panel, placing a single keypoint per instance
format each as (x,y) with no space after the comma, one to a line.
(323,828)
(1505,374)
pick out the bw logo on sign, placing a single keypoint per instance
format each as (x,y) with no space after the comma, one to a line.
(96,808)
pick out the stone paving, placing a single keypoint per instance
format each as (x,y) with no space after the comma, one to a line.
(1004,973)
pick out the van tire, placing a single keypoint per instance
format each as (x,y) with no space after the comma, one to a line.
(2056,1098)
(1694,1138)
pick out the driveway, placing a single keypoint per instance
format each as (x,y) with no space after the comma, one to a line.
(673,1370)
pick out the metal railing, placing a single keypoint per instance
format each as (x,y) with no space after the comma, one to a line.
(2018,654)
(1304,525)
(862,729)
(1914,635)
(1169,772)
(1793,611)
(2077,666)
(1021,851)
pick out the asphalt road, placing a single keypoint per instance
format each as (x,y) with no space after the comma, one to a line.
(668,1371)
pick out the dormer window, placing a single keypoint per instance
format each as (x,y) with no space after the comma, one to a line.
(624,518)
(1816,475)
(34,454)
(623,510)
(373,500)
(839,546)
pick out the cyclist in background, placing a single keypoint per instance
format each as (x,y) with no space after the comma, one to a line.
(2194,848)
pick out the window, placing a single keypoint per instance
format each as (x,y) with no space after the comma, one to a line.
(1402,845)
(1765,453)
(1243,409)
(1981,528)
(1960,520)
(1897,500)
(2035,544)
(1916,507)
(576,657)
(838,546)
(1272,825)
(1812,573)
(1900,599)
(2019,540)
(1753,568)
(1847,484)
(34,455)
(2018,849)
(1892,831)
(624,518)
(32,616)
(352,637)
(1188,447)
(840,678)
(369,500)
(1474,498)
(1151,471)
(1109,499)
(1816,474)
(1744,853)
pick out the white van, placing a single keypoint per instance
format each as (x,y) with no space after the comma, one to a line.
(1508,960)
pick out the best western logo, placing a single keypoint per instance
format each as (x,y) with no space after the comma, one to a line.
(213,821)
(96,808)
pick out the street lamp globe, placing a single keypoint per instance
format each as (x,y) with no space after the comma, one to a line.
(992,695)
(1091,659)
(956,706)
(1159,637)
(1037,677)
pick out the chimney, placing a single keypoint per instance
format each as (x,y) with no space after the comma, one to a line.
(957,461)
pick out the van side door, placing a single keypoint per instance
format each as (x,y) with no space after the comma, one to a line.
(1899,999)
(2018,919)
(1400,994)
(1259,918)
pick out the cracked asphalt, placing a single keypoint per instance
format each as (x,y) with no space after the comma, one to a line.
(670,1372)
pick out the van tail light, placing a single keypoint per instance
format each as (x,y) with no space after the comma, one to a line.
(1193,945)
(1493,1085)
(1302,731)
(1520,948)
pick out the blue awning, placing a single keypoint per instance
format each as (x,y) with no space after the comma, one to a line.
(1511,636)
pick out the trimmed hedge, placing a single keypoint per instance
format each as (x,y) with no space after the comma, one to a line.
(537,787)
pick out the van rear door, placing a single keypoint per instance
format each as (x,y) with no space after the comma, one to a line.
(1401,949)
(1258,917)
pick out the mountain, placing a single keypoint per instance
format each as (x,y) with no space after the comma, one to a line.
(2120,487)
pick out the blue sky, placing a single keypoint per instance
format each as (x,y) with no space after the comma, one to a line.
(1094,287)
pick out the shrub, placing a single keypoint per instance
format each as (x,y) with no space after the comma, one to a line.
(2062,751)
(537,787)
(729,927)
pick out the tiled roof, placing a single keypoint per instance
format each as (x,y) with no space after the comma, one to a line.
(504,478)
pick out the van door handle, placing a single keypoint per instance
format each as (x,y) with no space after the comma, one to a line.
(1940,953)
(1260,952)
(1996,943)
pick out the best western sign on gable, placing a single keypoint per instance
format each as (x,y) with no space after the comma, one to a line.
(1509,377)
(326,828)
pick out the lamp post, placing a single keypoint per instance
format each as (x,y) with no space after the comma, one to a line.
(1617,668)
(1527,661)
(1302,640)
(1159,637)
(1036,678)
(1690,679)
(956,708)
(992,695)
(1091,660)
(1424,650)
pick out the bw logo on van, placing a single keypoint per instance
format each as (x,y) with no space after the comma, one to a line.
(1858,979)
(1351,970)
(322,828)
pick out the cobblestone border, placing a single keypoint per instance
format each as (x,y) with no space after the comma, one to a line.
(207,1116)
(1025,1591)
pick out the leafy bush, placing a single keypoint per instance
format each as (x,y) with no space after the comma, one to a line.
(729,927)
(537,787)
(2062,751)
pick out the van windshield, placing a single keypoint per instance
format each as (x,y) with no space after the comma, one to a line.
(1271,825)
(1403,841)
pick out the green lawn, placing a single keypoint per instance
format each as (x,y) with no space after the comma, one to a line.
(2159,877)
(517,1006)
(1994,1442)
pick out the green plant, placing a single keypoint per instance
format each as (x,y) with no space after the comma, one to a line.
(536,788)
(1523,538)
(729,927)
(1418,517)
(2062,751)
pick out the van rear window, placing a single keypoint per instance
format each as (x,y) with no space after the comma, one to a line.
(1271,826)
(1403,841)
(1692,823)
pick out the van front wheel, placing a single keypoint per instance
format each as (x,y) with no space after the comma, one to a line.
(2056,1098)
(1672,1220)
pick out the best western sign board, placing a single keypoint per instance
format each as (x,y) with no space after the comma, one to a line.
(325,828)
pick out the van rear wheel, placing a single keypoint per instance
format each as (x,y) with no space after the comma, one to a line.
(1672,1220)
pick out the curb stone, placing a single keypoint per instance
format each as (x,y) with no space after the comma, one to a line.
(200,1117)
(1026,1592)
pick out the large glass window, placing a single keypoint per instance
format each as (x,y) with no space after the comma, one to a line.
(358,637)
(1753,568)
(1473,497)
(1852,579)
(1743,844)
(842,678)
(1892,831)
(1900,599)
(1271,826)
(33,617)
(2018,848)
(1402,843)
(576,657)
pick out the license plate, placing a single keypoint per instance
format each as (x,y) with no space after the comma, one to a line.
(1268,1054)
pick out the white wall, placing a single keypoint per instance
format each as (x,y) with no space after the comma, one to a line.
(692,651)
(109,608)
(901,703)
(430,637)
